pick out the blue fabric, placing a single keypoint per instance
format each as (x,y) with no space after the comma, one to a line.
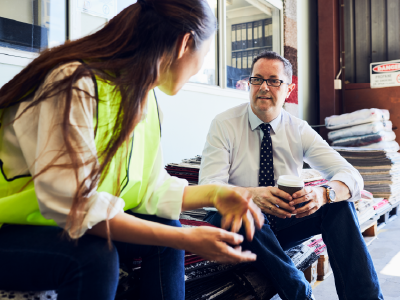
(37,258)
(354,272)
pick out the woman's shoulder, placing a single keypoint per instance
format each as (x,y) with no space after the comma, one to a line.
(63,70)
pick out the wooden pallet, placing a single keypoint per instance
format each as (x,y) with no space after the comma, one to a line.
(369,230)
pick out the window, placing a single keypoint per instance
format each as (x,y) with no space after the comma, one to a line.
(208,74)
(253,26)
(32,25)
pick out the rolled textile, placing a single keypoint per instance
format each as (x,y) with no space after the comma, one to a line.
(356,118)
(365,140)
(391,146)
(359,130)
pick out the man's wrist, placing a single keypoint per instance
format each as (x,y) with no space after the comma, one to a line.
(323,195)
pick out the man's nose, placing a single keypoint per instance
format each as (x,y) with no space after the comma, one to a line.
(264,86)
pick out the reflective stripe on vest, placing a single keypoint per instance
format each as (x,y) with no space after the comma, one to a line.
(21,207)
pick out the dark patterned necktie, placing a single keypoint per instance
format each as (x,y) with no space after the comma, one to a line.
(266,173)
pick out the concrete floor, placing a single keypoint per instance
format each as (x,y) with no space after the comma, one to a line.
(385,252)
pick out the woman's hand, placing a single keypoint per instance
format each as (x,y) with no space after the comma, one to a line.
(236,207)
(216,245)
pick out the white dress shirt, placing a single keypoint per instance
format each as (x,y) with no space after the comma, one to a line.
(231,154)
(32,141)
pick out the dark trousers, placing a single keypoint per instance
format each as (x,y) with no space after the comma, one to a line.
(37,258)
(354,272)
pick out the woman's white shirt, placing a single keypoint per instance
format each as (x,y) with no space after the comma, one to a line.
(36,139)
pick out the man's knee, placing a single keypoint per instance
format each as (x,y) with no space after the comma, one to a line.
(341,207)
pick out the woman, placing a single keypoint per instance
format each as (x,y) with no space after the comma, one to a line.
(80,144)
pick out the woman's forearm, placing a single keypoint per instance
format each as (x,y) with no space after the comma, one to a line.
(199,196)
(129,229)
(208,242)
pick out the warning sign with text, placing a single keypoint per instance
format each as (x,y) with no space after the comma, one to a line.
(385,74)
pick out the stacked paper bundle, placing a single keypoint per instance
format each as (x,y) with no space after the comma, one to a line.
(379,168)
(368,128)
(188,169)
(364,207)
(380,205)
(312,177)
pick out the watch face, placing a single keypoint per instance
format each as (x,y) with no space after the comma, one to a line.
(332,195)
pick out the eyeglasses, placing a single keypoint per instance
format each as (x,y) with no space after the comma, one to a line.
(270,82)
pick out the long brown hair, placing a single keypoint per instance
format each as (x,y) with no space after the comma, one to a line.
(127,52)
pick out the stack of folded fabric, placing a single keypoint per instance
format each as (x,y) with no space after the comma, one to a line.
(188,169)
(380,169)
(368,128)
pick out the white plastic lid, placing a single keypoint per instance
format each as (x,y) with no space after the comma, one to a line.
(290,181)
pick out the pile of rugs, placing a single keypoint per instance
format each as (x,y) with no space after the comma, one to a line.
(188,169)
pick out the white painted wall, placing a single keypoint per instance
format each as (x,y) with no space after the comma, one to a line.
(186,119)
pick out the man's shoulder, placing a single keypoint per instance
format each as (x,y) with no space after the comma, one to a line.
(233,113)
(290,119)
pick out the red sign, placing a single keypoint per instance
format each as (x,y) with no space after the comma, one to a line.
(387,68)
(398,78)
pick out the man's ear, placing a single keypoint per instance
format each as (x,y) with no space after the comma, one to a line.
(183,44)
(290,89)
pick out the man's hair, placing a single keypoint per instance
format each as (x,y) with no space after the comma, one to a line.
(288,70)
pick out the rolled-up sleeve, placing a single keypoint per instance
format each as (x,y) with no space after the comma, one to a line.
(320,156)
(164,193)
(215,160)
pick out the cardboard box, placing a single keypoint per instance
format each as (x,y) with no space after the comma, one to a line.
(324,267)
(311,273)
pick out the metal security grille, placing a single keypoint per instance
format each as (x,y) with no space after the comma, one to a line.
(372,34)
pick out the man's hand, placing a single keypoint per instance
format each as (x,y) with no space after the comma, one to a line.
(268,199)
(315,196)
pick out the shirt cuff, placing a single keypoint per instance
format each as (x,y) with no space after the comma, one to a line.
(170,205)
(101,207)
(351,183)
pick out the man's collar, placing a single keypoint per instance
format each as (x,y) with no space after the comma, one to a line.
(255,121)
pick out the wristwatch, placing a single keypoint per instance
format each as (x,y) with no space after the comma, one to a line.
(330,193)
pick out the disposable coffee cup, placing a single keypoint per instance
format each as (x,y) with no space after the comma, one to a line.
(290,184)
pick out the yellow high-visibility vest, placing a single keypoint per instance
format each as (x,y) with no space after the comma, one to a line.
(21,206)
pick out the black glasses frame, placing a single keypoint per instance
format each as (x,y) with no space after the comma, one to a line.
(268,81)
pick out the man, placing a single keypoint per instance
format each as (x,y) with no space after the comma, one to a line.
(251,145)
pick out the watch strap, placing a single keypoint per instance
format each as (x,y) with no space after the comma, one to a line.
(327,190)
